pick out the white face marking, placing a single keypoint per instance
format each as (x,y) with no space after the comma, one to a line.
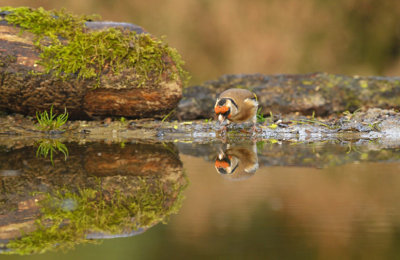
(233,166)
(232,108)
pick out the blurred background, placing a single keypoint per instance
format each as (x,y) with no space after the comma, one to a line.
(215,37)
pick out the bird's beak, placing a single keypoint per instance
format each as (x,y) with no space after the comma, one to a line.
(221,118)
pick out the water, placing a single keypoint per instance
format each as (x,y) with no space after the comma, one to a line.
(284,200)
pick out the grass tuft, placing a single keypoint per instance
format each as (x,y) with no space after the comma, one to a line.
(260,116)
(49,121)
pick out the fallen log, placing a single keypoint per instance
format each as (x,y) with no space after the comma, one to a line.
(92,68)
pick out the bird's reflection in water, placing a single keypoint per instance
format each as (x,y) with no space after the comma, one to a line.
(237,161)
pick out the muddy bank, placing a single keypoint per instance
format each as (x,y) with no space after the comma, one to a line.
(319,93)
(372,124)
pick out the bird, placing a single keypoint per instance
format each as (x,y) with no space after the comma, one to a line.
(237,105)
(237,162)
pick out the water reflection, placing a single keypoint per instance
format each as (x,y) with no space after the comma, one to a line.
(307,199)
(102,191)
(292,212)
(291,153)
(237,161)
(49,146)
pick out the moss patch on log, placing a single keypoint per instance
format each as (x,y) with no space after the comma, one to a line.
(68,49)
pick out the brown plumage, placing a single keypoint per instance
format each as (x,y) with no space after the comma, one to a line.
(236,105)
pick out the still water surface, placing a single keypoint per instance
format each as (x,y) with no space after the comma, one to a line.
(269,200)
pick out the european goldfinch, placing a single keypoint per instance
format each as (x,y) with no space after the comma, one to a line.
(237,105)
(237,162)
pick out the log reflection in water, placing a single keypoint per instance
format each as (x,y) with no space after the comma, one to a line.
(101,191)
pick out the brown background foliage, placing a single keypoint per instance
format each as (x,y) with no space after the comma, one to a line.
(262,36)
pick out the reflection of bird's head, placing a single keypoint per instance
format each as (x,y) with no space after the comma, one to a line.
(226,164)
(237,163)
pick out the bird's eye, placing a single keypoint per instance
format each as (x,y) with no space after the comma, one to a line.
(222,102)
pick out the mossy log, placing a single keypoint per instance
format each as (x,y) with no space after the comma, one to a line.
(319,93)
(28,86)
(121,196)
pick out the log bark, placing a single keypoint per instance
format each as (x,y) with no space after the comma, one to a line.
(319,93)
(24,92)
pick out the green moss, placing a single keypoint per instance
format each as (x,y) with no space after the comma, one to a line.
(68,216)
(67,49)
(307,82)
(363,83)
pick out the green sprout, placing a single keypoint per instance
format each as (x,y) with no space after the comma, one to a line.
(260,116)
(375,126)
(48,147)
(168,115)
(50,121)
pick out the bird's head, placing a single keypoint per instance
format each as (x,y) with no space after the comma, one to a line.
(224,108)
